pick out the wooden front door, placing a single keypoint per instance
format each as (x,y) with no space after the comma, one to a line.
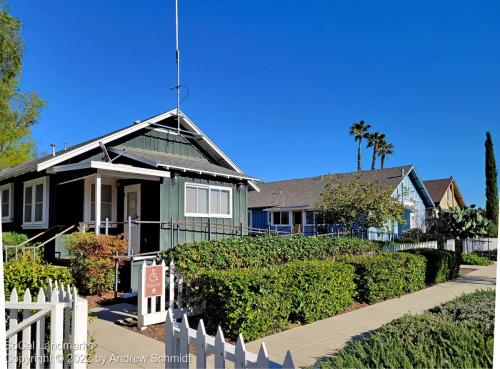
(297,221)
(132,208)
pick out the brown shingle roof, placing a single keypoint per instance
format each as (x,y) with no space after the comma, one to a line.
(303,192)
(437,188)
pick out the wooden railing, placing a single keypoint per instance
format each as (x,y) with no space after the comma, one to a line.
(179,337)
(57,311)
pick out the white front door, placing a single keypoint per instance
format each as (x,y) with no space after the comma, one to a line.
(132,208)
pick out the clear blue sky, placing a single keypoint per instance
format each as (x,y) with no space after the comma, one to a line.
(276,84)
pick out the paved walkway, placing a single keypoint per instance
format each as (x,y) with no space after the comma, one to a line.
(307,343)
(313,341)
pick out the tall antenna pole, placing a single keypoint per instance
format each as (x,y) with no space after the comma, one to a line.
(178,61)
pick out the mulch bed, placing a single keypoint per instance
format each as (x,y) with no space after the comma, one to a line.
(108,298)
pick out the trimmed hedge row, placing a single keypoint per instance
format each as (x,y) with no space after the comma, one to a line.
(256,302)
(387,275)
(441,265)
(475,259)
(458,334)
(267,251)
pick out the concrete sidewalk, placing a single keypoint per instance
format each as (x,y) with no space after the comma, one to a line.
(307,343)
(313,341)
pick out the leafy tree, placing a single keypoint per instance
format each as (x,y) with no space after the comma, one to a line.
(385,148)
(359,130)
(373,140)
(356,202)
(460,223)
(491,186)
(18,110)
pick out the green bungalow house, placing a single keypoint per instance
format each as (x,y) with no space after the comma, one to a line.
(173,183)
(287,206)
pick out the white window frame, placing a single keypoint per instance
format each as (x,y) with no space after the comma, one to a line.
(305,218)
(87,205)
(10,217)
(209,187)
(44,223)
(281,211)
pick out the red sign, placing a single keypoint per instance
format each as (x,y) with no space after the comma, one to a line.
(154,281)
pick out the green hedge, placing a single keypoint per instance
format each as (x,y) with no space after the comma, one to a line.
(254,252)
(458,334)
(257,302)
(387,275)
(24,273)
(441,265)
(475,259)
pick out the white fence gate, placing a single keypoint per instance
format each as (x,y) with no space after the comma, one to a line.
(412,246)
(51,330)
(179,337)
(172,295)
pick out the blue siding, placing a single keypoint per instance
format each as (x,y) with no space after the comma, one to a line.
(259,218)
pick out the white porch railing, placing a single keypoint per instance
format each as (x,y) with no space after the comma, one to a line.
(49,331)
(412,246)
(179,337)
(174,295)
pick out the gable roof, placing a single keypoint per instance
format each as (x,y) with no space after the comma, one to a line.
(303,192)
(437,189)
(188,126)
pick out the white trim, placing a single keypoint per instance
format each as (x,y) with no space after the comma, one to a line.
(95,144)
(209,187)
(110,167)
(44,223)
(10,217)
(87,204)
(136,249)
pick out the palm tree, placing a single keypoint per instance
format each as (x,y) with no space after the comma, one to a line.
(374,140)
(385,148)
(359,130)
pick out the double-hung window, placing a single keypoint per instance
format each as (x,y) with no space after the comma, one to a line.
(281,218)
(310,217)
(36,203)
(108,200)
(7,199)
(207,201)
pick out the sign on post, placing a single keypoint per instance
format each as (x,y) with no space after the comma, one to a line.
(154,281)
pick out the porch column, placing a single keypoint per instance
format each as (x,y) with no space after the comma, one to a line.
(97,203)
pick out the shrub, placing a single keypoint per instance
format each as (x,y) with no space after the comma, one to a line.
(412,235)
(475,259)
(13,238)
(387,275)
(318,289)
(254,252)
(453,335)
(441,265)
(93,266)
(247,301)
(256,302)
(24,274)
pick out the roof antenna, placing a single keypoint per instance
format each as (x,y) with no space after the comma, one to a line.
(178,61)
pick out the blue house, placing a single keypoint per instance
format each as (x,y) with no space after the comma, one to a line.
(288,206)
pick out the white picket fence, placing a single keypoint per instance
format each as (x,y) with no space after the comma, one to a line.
(479,244)
(412,246)
(179,337)
(174,295)
(49,331)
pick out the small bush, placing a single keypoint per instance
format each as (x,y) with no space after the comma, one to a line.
(24,273)
(247,301)
(256,252)
(387,275)
(318,289)
(475,259)
(412,235)
(441,265)
(458,334)
(13,238)
(256,302)
(93,266)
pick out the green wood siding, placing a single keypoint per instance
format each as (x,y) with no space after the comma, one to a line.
(165,143)
(172,206)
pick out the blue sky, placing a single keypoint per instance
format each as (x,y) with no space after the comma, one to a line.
(276,84)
